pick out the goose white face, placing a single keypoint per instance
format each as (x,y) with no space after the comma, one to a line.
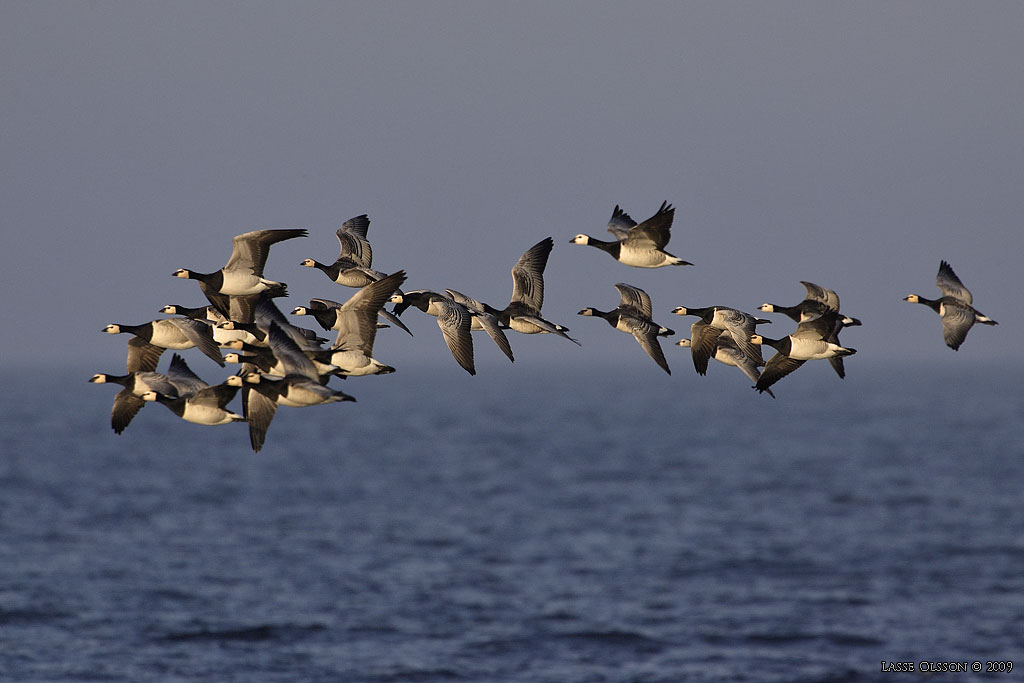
(98,378)
(181,272)
(309,263)
(300,310)
(227,325)
(169,310)
(232,358)
(683,342)
(679,310)
(912,298)
(253,378)
(112,329)
(767,308)
(233,344)
(233,380)
(149,396)
(586,311)
(580,239)
(756,339)
(396,299)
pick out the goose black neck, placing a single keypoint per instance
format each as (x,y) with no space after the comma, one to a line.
(612,248)
(194,313)
(792,311)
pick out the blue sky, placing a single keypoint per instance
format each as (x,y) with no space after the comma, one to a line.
(854,145)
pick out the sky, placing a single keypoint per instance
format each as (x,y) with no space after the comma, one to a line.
(850,144)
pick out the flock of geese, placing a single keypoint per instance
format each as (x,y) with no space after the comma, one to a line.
(282,364)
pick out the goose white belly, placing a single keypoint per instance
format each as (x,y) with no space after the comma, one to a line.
(727,358)
(224,336)
(524,326)
(354,277)
(641,258)
(355,363)
(206,414)
(303,395)
(170,337)
(623,325)
(812,349)
(237,283)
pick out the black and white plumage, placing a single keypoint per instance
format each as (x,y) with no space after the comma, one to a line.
(300,386)
(807,308)
(640,246)
(201,313)
(955,307)
(266,313)
(717,320)
(150,339)
(353,242)
(262,358)
(223,334)
(633,316)
(207,407)
(485,318)
(128,401)
(810,341)
(818,301)
(454,319)
(196,401)
(353,267)
(523,311)
(179,381)
(727,353)
(236,288)
(344,272)
(356,324)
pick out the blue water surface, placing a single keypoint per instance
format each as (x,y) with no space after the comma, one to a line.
(527,524)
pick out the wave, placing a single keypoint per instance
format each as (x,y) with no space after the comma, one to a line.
(259,632)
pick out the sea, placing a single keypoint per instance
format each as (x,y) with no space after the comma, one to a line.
(532,523)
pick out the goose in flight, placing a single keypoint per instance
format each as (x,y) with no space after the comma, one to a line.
(356,324)
(727,353)
(265,314)
(523,311)
(300,386)
(633,316)
(197,401)
(484,317)
(810,341)
(353,267)
(179,381)
(235,289)
(818,301)
(717,320)
(454,319)
(955,307)
(640,246)
(150,339)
